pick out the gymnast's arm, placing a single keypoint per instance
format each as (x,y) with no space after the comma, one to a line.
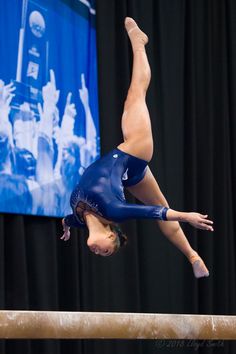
(121,211)
(118,211)
(68,222)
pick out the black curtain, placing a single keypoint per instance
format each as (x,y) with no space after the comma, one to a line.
(192,102)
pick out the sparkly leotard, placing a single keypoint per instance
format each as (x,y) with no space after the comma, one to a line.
(101,190)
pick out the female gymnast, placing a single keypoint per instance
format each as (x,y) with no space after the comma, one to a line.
(98,201)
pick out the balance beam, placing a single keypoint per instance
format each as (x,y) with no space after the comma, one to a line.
(104,325)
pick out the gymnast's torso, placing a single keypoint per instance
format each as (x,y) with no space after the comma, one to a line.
(101,190)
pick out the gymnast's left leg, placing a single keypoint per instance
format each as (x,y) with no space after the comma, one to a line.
(148,192)
(135,122)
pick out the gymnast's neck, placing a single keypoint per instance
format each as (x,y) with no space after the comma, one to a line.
(95,222)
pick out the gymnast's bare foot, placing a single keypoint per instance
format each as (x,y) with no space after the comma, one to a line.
(199,268)
(137,37)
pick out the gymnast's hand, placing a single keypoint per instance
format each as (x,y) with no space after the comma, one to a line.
(66,229)
(199,221)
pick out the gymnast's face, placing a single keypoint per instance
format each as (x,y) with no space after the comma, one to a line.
(101,244)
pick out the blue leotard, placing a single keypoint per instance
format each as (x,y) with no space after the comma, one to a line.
(101,190)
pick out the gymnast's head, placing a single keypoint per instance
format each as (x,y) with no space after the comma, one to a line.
(106,242)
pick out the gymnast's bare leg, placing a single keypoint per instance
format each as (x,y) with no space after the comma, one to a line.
(138,141)
(148,192)
(136,125)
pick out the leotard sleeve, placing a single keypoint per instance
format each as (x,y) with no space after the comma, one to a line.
(119,211)
(72,221)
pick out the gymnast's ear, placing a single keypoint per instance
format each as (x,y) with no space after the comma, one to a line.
(112,235)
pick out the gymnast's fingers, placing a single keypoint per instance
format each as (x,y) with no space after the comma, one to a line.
(207,221)
(206,226)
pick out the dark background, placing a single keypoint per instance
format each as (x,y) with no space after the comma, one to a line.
(192,52)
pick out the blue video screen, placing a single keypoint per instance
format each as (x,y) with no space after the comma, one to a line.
(49,121)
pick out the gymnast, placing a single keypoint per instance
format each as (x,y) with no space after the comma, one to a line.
(98,201)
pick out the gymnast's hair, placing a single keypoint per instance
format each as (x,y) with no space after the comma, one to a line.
(121,238)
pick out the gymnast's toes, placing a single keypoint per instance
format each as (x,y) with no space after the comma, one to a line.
(199,269)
